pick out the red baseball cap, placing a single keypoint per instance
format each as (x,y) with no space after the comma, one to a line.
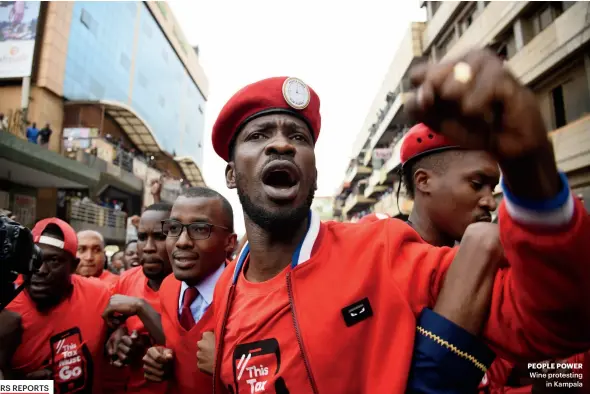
(373,217)
(273,95)
(70,242)
(422,141)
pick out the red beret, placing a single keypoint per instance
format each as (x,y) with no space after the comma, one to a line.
(373,217)
(272,95)
(421,141)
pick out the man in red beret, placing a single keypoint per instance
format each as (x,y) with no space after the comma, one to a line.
(301,302)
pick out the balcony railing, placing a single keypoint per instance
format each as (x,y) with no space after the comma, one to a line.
(88,216)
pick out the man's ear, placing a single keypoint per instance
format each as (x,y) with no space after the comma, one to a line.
(230,175)
(75,263)
(423,180)
(230,244)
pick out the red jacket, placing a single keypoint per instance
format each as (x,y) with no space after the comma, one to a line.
(388,264)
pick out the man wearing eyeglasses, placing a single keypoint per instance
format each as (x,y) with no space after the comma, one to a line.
(200,236)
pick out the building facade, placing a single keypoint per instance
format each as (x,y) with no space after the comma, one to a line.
(545,44)
(124,95)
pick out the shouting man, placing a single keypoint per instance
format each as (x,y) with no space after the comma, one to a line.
(302,290)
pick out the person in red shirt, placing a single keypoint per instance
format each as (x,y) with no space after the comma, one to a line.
(131,258)
(302,300)
(199,237)
(63,335)
(92,257)
(140,285)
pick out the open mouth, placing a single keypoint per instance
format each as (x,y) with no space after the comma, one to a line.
(281,175)
(280,179)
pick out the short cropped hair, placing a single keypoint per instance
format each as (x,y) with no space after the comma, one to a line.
(205,192)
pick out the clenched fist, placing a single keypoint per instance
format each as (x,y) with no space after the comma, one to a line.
(157,364)
(479,104)
(476,102)
(206,353)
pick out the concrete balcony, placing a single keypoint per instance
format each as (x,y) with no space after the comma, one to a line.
(355,203)
(110,174)
(572,145)
(393,163)
(439,22)
(356,173)
(486,26)
(568,33)
(110,223)
(374,186)
(393,116)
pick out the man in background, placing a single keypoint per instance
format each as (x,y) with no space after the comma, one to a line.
(33,133)
(92,257)
(45,135)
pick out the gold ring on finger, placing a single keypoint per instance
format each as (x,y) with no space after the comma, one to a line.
(462,72)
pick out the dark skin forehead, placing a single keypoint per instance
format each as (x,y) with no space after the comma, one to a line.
(270,123)
(152,221)
(476,163)
(199,209)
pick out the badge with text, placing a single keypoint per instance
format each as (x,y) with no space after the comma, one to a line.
(256,368)
(296,93)
(69,362)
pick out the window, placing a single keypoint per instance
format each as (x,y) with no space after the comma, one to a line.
(558,107)
(545,16)
(125,61)
(88,21)
(445,44)
(466,17)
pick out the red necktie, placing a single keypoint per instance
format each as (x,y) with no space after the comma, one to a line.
(187,321)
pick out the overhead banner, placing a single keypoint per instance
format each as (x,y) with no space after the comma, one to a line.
(18,29)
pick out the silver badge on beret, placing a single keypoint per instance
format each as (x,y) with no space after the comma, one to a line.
(296,93)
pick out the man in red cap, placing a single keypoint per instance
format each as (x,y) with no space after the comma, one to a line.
(64,335)
(451,187)
(301,302)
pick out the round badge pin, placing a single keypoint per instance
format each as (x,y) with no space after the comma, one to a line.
(296,93)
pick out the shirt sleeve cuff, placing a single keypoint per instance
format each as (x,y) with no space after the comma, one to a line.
(555,212)
(446,355)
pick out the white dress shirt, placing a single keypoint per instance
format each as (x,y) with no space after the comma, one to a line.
(205,297)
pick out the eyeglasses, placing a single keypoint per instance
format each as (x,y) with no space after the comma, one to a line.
(195,230)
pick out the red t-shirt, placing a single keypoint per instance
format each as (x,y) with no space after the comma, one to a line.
(261,351)
(131,379)
(109,278)
(69,339)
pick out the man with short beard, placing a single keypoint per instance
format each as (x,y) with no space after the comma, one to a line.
(306,299)
(63,335)
(138,289)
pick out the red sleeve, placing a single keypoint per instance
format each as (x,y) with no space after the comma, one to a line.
(539,303)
